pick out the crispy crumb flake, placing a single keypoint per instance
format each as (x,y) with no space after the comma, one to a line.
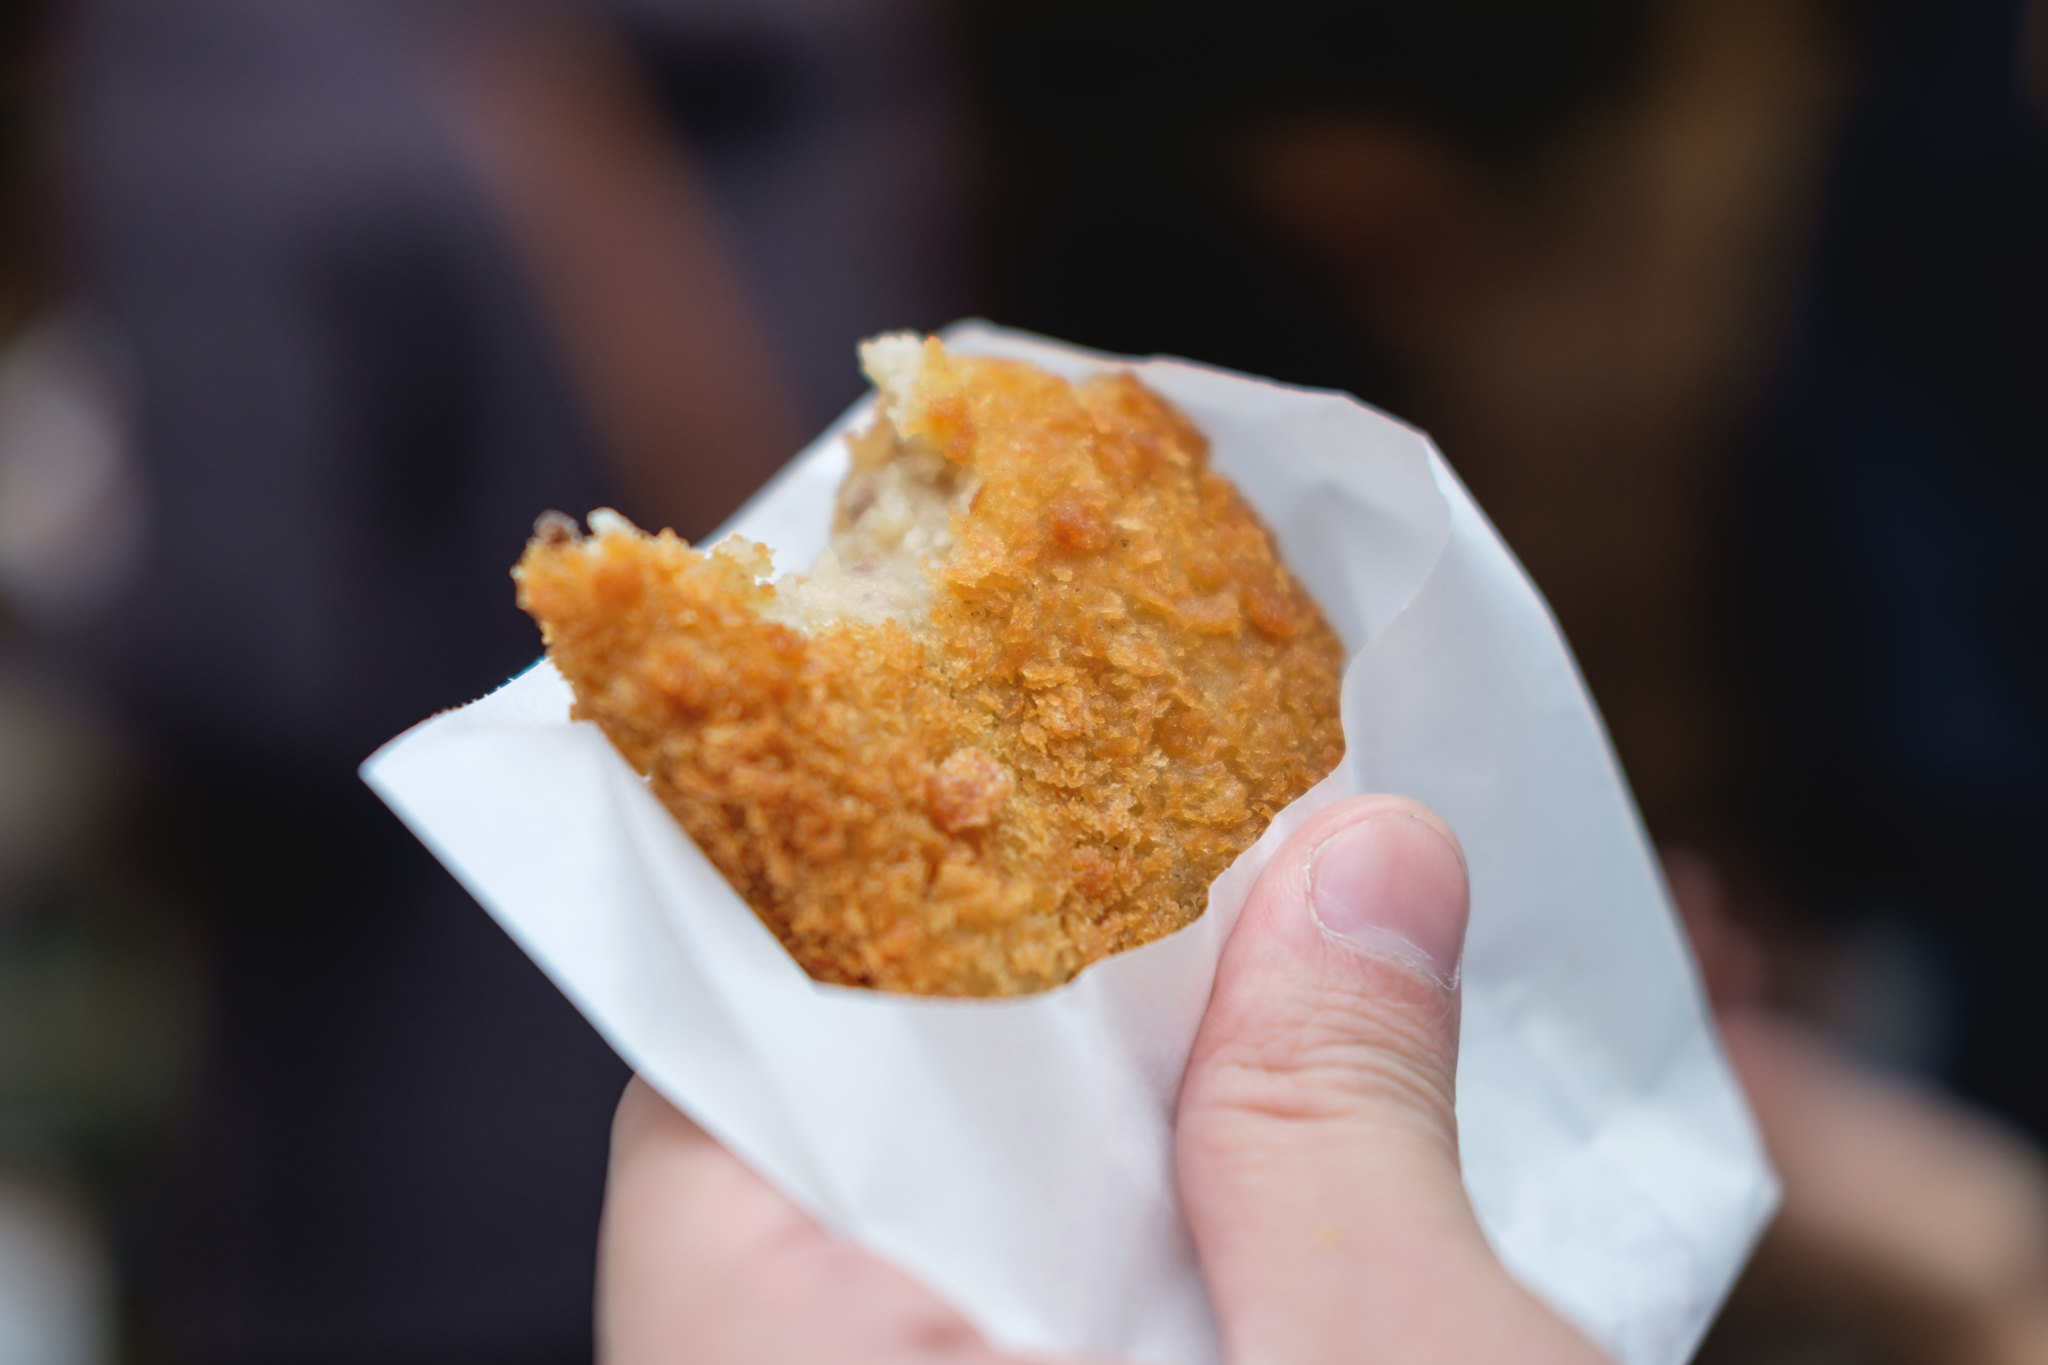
(967,791)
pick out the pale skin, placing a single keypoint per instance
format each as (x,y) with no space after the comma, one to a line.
(1318,1160)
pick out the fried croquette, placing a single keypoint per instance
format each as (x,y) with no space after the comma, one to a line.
(1048,680)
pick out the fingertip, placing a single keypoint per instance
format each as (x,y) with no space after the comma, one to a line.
(633,1099)
(1381,876)
(645,1118)
(1353,810)
(1392,883)
(634,1111)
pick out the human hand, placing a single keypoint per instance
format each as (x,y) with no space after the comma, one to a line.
(1317,1153)
(1911,1225)
(1910,1222)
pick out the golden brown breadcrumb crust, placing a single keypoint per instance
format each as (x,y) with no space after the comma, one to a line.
(1118,686)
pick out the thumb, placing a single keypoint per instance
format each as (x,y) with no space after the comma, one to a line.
(1317,1146)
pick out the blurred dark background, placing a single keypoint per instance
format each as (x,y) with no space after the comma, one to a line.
(1732,313)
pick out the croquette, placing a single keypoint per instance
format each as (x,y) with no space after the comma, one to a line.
(1050,678)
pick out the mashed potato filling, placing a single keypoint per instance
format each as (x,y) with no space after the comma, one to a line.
(893,525)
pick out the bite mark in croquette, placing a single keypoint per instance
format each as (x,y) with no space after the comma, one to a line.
(1049,680)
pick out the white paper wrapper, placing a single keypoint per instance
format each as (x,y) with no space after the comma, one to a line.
(1016,1155)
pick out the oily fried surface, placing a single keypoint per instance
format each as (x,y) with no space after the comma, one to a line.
(1117,687)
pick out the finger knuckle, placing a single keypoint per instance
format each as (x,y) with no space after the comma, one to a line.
(1336,1056)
